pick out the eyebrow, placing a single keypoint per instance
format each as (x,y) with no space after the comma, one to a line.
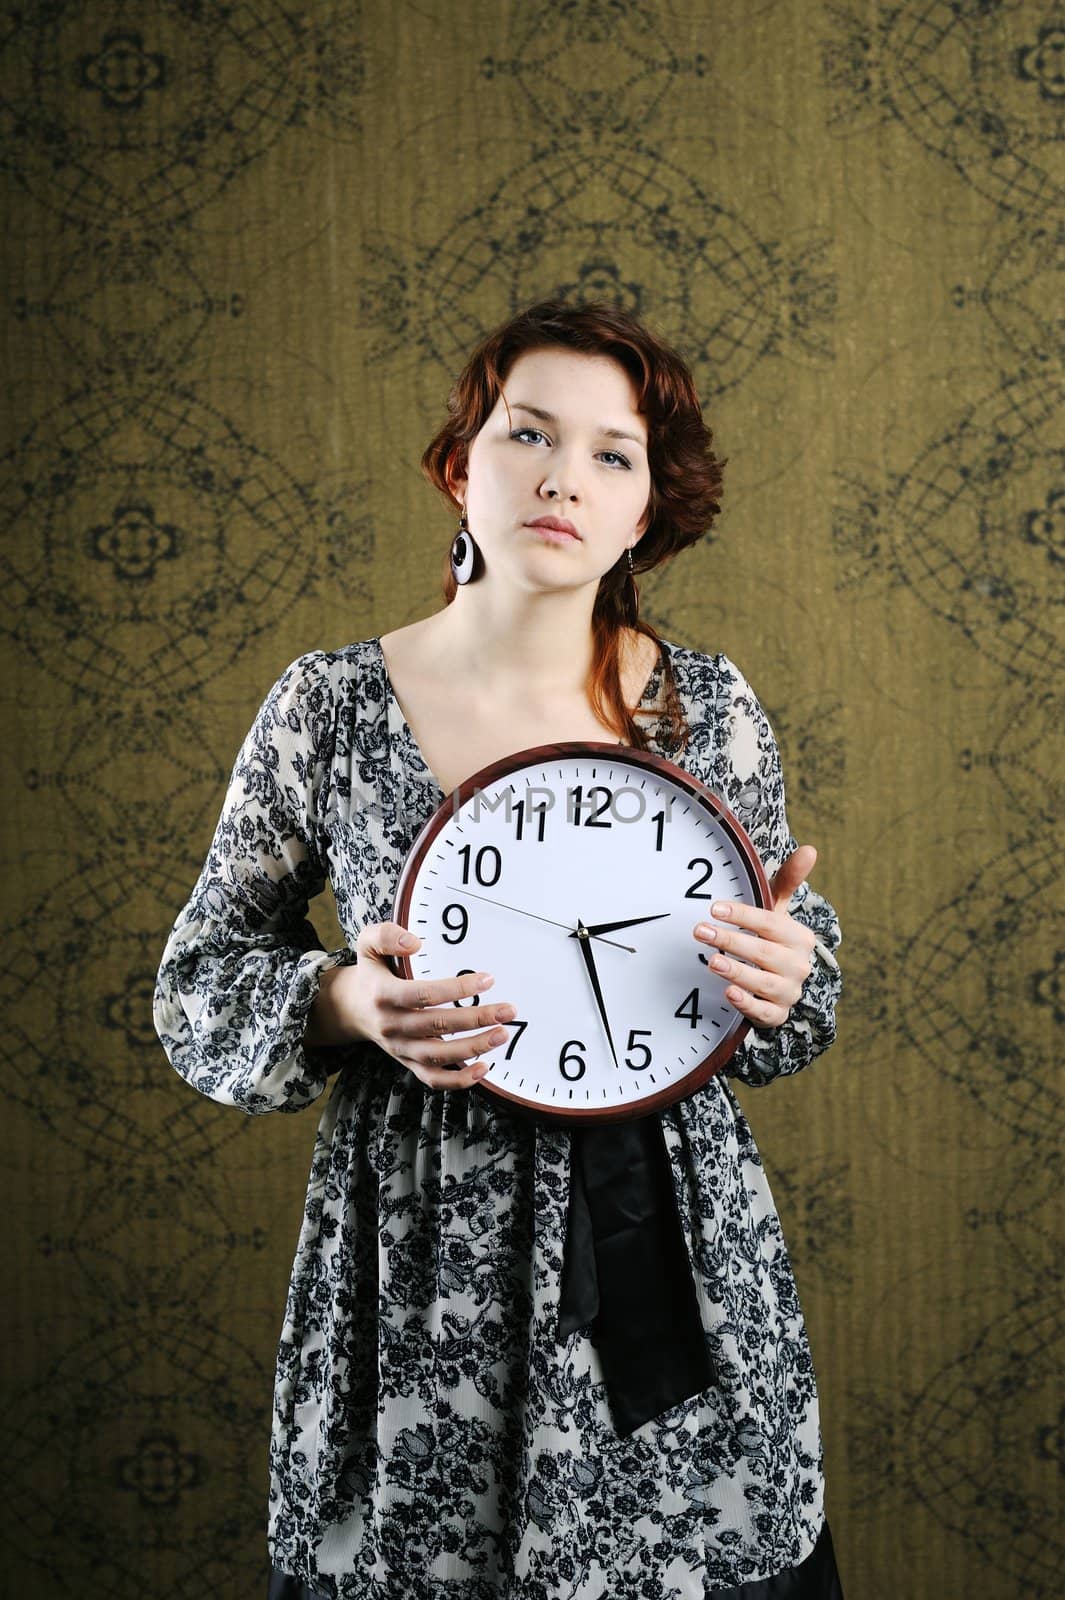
(547,416)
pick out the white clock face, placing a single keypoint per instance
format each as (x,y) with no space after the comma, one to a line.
(615,1021)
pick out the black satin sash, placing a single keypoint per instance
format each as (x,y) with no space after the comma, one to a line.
(626,1273)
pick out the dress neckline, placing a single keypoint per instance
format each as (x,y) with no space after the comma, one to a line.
(398,718)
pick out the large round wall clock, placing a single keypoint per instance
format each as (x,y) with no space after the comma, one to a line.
(575,874)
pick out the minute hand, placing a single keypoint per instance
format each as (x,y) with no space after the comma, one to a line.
(581,937)
(629,922)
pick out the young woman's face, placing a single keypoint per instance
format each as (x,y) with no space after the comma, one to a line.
(556,453)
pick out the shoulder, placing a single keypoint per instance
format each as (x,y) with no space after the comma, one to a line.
(408,639)
(720,701)
(304,698)
(704,676)
(326,671)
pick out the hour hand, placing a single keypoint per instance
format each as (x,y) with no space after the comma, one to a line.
(627,922)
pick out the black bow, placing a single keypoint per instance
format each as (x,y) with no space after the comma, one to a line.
(626,1272)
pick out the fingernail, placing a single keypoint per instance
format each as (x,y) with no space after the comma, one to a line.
(705,931)
(408,940)
(721,908)
(485,980)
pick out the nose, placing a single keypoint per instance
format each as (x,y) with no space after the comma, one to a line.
(554,489)
(563,468)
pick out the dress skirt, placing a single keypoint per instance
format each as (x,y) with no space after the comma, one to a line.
(815,1578)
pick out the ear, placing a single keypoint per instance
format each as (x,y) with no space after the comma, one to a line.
(648,515)
(456,483)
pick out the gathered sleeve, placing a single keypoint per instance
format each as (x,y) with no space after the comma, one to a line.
(749,778)
(241,966)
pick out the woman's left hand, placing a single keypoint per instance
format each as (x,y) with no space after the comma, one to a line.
(768,966)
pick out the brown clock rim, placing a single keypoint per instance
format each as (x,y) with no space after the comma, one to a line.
(723,1052)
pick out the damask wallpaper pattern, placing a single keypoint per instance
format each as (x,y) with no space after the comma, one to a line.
(247,248)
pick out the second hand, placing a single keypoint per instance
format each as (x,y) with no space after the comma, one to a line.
(457,889)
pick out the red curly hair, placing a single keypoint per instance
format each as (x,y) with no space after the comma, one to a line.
(685,474)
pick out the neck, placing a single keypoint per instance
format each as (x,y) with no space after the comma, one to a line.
(529,648)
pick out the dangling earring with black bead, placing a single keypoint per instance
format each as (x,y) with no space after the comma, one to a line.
(464,552)
(634,593)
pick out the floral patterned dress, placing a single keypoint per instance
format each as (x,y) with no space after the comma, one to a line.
(431,1435)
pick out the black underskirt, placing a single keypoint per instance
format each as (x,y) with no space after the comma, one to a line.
(816,1578)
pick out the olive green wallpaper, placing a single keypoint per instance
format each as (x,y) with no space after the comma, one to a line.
(247,247)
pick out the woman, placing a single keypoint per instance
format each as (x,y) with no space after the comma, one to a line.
(448,1411)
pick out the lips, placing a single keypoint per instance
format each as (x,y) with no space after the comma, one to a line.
(559,524)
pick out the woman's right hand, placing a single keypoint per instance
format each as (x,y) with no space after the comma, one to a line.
(394,1012)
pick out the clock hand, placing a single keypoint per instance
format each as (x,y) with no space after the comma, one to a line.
(629,922)
(589,961)
(459,889)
